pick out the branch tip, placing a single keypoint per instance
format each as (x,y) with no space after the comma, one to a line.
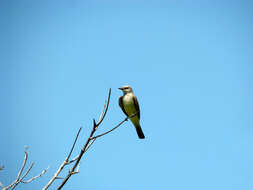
(94,123)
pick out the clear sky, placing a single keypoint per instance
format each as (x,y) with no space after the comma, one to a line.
(190,64)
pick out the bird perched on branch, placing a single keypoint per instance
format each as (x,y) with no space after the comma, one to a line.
(129,105)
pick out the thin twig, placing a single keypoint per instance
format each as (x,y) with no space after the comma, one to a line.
(74,143)
(78,159)
(128,117)
(93,138)
(95,126)
(103,112)
(27,172)
(65,162)
(106,108)
(35,177)
(73,160)
(23,165)
(77,168)
(21,179)
(17,181)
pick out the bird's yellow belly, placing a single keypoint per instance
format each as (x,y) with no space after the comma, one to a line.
(130,109)
(129,105)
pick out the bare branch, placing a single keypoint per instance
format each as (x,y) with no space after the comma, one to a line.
(74,143)
(20,179)
(115,126)
(87,143)
(65,162)
(103,111)
(93,138)
(35,177)
(78,168)
(24,163)
(27,172)
(73,160)
(78,159)
(17,181)
(55,176)
(106,108)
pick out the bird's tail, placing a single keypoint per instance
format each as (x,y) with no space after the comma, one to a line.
(139,132)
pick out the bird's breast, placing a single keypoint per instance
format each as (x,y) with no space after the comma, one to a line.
(128,104)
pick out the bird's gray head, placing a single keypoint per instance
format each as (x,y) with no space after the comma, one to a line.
(126,89)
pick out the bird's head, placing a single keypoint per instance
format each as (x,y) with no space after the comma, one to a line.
(126,89)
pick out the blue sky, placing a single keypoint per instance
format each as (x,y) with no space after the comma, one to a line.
(189,63)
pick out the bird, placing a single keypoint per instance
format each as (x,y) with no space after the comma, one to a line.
(130,106)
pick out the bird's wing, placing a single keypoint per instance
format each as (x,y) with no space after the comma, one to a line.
(136,104)
(121,104)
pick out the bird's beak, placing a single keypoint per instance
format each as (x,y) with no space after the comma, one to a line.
(120,88)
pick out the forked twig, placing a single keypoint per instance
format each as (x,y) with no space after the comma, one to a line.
(75,169)
(93,138)
(35,177)
(65,162)
(87,143)
(24,163)
(74,144)
(20,177)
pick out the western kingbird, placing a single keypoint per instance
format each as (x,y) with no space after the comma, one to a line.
(129,105)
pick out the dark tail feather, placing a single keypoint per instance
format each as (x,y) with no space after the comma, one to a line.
(139,132)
